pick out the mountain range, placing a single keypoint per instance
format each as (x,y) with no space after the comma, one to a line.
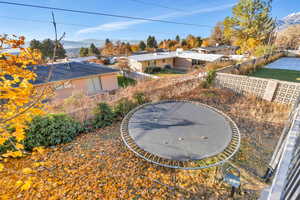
(73,47)
(87,42)
(291,19)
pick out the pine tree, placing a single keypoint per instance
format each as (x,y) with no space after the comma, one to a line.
(47,48)
(83,52)
(177,38)
(183,43)
(93,51)
(151,42)
(142,45)
(107,41)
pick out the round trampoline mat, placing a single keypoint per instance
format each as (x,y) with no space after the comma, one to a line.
(179,134)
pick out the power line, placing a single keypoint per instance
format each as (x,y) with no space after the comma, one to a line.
(79,25)
(158,5)
(100,13)
(42,21)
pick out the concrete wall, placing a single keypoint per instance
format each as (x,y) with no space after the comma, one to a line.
(268,89)
(140,76)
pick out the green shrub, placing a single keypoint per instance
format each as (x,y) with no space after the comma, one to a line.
(125,82)
(153,70)
(7,146)
(104,116)
(140,98)
(51,130)
(167,66)
(210,77)
(123,107)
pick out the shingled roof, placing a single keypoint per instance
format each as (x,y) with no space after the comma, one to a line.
(69,70)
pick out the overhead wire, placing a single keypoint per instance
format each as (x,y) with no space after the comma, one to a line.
(101,14)
(78,25)
(158,5)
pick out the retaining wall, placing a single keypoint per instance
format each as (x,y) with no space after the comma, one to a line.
(269,89)
(138,76)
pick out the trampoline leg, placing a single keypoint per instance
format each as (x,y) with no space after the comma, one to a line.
(174,182)
(232,191)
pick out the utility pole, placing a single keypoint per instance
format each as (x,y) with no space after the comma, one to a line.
(56,43)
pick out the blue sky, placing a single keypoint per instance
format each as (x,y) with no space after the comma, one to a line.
(99,27)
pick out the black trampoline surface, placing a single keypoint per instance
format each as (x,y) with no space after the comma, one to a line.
(179,130)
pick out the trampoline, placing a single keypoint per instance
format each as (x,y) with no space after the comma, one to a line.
(180,134)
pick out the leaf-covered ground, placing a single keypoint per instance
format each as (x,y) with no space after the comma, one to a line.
(97,165)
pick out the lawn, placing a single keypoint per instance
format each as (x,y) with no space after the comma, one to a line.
(279,74)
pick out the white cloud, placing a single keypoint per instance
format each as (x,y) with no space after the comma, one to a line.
(113,26)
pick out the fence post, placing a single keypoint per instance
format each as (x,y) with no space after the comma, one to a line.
(270,90)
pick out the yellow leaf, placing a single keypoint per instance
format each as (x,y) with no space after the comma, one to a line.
(4,197)
(13,154)
(1,167)
(27,171)
(37,164)
(26,185)
(2,140)
(40,150)
(20,146)
(19,183)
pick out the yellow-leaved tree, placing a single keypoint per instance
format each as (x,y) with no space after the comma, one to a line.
(20,101)
(250,26)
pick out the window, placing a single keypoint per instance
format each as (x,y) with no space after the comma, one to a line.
(63,85)
(163,60)
(94,85)
(197,62)
(152,63)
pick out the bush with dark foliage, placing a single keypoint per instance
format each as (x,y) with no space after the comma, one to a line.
(49,130)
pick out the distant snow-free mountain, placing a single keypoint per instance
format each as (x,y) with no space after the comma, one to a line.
(86,43)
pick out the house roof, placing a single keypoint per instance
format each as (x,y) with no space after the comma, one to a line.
(153,56)
(69,70)
(200,56)
(180,54)
(81,59)
(214,48)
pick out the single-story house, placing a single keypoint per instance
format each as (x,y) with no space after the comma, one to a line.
(175,59)
(70,78)
(218,49)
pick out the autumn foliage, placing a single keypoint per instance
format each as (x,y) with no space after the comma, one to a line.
(19,100)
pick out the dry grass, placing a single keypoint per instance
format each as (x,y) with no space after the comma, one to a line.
(249,68)
(218,65)
(260,123)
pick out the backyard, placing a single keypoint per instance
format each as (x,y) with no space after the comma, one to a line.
(285,69)
(279,74)
(97,165)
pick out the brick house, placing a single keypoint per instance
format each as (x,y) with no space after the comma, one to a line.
(70,78)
